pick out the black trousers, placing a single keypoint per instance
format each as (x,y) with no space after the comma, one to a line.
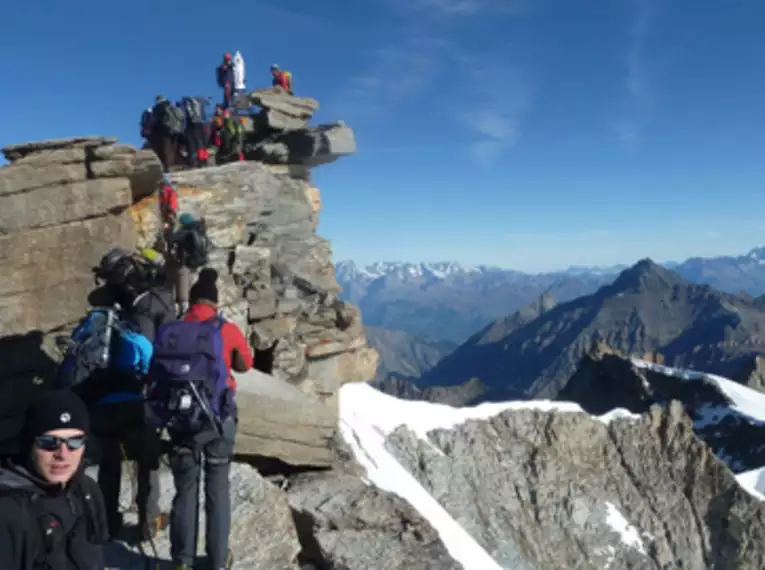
(125,436)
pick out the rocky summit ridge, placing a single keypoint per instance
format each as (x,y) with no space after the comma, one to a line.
(65,202)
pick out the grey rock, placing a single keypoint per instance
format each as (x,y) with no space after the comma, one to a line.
(290,359)
(75,155)
(282,111)
(55,205)
(277,420)
(635,494)
(266,332)
(114,151)
(356,526)
(261,300)
(263,534)
(120,167)
(252,262)
(606,380)
(25,177)
(17,151)
(146,176)
(43,267)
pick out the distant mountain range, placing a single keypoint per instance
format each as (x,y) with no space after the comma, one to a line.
(450,301)
(647,309)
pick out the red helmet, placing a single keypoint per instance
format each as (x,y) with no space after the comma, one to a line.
(227,57)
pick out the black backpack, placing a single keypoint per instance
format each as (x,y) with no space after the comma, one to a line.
(195,245)
(193,110)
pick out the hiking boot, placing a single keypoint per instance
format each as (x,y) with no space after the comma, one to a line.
(155,526)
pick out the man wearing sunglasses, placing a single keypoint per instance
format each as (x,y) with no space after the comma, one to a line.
(51,514)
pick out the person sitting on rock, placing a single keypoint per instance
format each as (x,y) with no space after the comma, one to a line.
(51,513)
(218,449)
(224,74)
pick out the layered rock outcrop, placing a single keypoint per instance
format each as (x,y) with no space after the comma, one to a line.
(313,521)
(278,132)
(64,203)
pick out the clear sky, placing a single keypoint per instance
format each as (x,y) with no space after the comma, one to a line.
(532,134)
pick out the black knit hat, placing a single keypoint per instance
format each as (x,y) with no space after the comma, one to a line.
(57,409)
(205,289)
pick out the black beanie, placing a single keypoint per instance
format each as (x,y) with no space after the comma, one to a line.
(57,409)
(205,289)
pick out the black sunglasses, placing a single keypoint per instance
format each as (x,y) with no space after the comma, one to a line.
(53,443)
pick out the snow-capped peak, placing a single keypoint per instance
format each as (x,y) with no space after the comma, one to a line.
(406,270)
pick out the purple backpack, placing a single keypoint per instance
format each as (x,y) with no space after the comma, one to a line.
(188,390)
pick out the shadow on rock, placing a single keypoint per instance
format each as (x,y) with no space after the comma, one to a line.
(28,370)
(119,557)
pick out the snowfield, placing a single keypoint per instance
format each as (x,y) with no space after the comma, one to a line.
(368,416)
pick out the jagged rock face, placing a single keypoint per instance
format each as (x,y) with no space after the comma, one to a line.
(278,285)
(356,526)
(553,490)
(605,380)
(329,519)
(276,270)
(263,535)
(647,308)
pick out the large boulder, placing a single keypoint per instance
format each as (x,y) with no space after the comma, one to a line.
(281,111)
(312,146)
(277,420)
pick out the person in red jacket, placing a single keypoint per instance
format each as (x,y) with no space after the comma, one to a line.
(185,458)
(204,306)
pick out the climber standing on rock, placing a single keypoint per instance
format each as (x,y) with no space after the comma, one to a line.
(198,408)
(193,108)
(164,135)
(224,74)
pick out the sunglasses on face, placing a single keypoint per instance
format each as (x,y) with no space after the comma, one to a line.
(53,443)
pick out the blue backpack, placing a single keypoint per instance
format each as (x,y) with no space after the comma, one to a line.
(101,341)
(188,379)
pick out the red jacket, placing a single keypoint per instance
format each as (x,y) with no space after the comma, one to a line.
(233,339)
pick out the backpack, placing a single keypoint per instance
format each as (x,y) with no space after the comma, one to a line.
(101,342)
(194,112)
(147,122)
(188,380)
(288,77)
(233,126)
(173,119)
(196,245)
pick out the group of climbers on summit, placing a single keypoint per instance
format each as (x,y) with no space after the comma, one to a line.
(172,130)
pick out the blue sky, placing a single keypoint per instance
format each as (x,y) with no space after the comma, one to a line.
(528,134)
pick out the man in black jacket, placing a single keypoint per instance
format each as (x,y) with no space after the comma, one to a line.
(51,513)
(118,418)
